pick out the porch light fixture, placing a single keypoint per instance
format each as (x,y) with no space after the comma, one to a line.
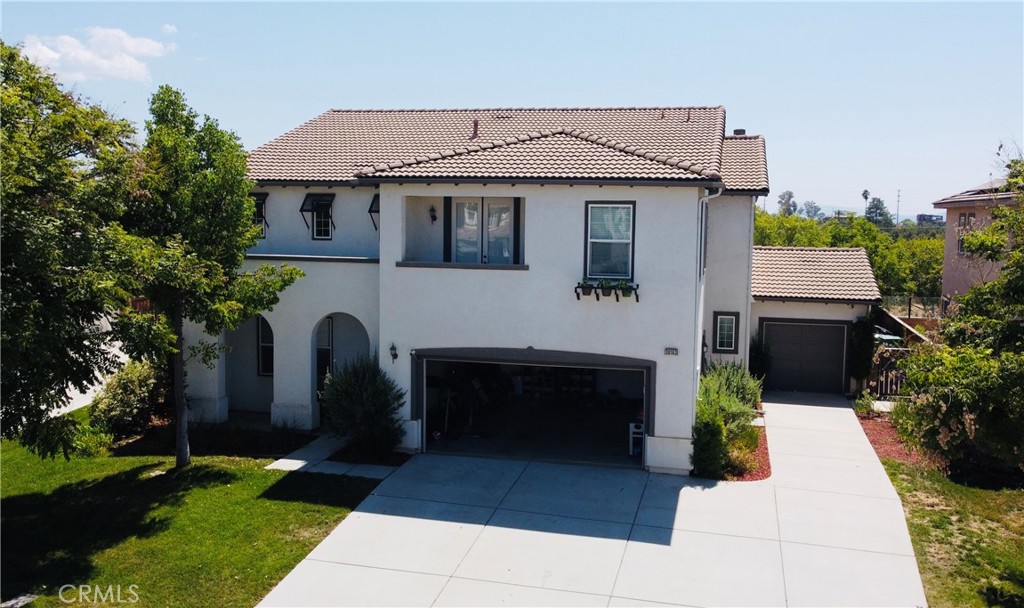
(433,214)
(374,210)
(394,352)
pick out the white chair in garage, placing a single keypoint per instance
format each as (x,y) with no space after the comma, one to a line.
(636,431)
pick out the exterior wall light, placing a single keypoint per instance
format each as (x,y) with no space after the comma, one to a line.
(433,214)
(394,352)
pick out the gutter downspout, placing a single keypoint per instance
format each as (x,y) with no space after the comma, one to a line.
(698,302)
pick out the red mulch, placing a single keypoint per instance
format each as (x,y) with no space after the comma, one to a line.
(887,443)
(763,470)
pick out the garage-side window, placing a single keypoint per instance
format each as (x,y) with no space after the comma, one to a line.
(264,348)
(726,333)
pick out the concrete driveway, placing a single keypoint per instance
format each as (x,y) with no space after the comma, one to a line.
(827,529)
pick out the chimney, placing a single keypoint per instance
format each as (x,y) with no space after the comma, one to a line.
(739,131)
(476,129)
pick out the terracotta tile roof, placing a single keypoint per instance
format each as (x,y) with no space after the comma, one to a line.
(744,164)
(625,143)
(807,273)
(979,196)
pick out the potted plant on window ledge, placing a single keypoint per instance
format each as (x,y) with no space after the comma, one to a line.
(584,287)
(606,287)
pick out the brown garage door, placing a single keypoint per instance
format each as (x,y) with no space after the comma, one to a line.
(806,357)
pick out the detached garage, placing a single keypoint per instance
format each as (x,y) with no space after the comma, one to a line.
(805,303)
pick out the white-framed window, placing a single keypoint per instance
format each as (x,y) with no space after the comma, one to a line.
(321,215)
(260,215)
(965,223)
(264,347)
(610,232)
(726,338)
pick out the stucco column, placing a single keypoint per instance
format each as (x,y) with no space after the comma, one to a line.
(294,405)
(205,386)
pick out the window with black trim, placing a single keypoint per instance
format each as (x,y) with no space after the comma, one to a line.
(264,347)
(726,335)
(319,207)
(260,216)
(610,232)
(483,230)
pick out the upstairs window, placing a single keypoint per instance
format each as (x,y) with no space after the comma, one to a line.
(319,208)
(260,216)
(726,326)
(610,232)
(483,230)
(965,222)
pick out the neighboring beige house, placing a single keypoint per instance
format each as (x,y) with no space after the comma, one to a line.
(451,243)
(968,209)
(805,303)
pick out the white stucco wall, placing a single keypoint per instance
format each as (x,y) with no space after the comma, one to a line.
(729,259)
(424,308)
(353,234)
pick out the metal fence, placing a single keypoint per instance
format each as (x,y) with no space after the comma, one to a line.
(886,378)
(916,307)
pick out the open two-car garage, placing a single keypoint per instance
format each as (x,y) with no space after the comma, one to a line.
(805,355)
(533,405)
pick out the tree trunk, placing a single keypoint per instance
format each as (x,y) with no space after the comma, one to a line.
(183,455)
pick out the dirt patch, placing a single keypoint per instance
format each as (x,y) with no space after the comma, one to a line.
(887,443)
(762,468)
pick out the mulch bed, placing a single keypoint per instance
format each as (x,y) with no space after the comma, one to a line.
(887,443)
(763,470)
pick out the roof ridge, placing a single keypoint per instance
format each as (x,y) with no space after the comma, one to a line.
(805,248)
(744,136)
(663,159)
(460,151)
(534,109)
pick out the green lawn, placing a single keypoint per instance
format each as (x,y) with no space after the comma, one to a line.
(969,541)
(221,533)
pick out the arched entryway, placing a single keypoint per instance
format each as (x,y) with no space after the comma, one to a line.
(337,338)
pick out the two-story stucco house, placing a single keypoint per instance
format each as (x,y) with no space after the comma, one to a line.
(969,209)
(452,243)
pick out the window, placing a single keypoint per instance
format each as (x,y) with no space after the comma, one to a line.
(964,224)
(321,219)
(324,351)
(484,230)
(610,232)
(260,217)
(264,348)
(726,328)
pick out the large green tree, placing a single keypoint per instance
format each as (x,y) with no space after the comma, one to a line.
(878,214)
(66,168)
(194,206)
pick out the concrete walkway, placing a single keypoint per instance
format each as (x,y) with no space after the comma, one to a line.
(827,529)
(313,458)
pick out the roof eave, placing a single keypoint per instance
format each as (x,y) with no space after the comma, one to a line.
(815,300)
(688,183)
(745,192)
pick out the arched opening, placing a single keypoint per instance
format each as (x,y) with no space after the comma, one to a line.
(337,338)
(250,366)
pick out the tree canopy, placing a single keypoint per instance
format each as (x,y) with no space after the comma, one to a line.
(878,214)
(67,168)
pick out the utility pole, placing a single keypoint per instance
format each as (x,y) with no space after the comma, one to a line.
(898,207)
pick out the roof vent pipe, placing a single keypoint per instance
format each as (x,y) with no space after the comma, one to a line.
(476,129)
(739,131)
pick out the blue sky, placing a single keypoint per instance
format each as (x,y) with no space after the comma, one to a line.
(911,97)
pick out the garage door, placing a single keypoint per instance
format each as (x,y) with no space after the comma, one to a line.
(806,357)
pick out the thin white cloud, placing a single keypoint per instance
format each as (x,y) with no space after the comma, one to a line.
(105,53)
(169,28)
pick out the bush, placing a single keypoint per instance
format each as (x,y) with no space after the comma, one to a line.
(361,401)
(125,406)
(91,440)
(723,437)
(964,405)
(864,405)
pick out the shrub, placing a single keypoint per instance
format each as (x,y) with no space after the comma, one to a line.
(736,381)
(964,405)
(90,440)
(125,405)
(361,402)
(862,348)
(864,405)
(723,438)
